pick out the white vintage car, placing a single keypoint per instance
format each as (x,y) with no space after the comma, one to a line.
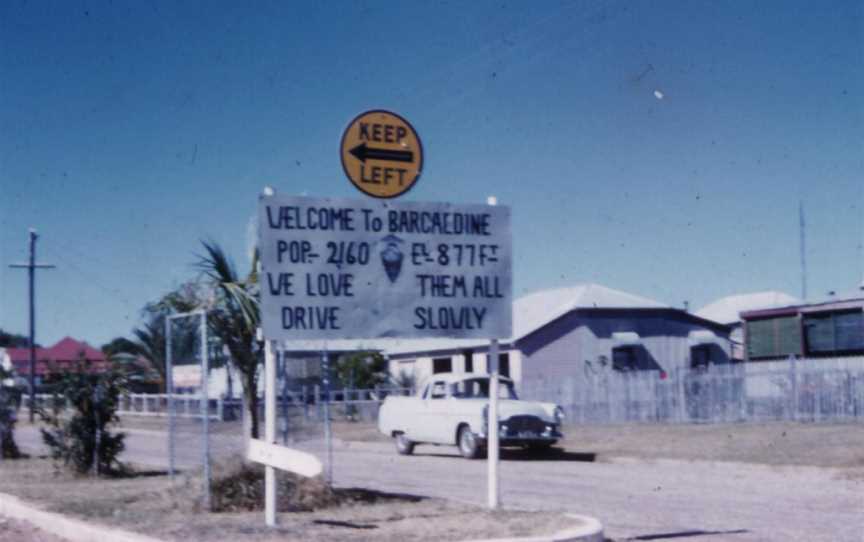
(453,409)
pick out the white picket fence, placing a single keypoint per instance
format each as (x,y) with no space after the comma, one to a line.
(149,404)
(351,403)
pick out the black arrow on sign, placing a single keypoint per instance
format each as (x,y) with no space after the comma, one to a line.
(362,152)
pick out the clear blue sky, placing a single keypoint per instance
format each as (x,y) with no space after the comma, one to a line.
(131,130)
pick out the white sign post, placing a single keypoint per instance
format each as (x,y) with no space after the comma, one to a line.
(343,269)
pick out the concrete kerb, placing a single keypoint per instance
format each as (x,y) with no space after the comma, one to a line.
(586,529)
(72,529)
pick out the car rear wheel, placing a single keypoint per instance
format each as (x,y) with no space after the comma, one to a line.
(469,447)
(404,445)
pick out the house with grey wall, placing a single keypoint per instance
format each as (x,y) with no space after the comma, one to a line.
(566,332)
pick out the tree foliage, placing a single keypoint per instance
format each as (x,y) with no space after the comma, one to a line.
(10,399)
(12,340)
(361,370)
(234,316)
(119,345)
(76,436)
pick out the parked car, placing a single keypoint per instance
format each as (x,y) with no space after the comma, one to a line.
(453,409)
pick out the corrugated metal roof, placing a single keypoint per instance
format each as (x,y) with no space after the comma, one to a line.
(727,310)
(530,313)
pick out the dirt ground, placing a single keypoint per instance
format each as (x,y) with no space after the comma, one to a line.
(775,443)
(149,504)
(779,443)
(12,530)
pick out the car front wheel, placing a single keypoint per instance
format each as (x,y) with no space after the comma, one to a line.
(469,447)
(404,445)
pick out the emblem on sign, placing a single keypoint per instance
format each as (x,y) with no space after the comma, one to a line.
(381,154)
(391,257)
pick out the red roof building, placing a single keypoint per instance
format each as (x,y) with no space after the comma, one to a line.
(63,356)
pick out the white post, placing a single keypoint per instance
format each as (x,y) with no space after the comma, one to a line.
(492,430)
(269,431)
(169,387)
(328,436)
(205,409)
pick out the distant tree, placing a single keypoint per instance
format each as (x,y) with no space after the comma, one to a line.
(362,370)
(150,344)
(12,340)
(404,380)
(119,345)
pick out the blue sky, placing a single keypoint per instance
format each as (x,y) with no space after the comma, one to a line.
(131,130)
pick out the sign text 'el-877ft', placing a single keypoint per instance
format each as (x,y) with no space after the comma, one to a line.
(341,269)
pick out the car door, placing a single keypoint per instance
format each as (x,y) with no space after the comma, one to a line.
(433,410)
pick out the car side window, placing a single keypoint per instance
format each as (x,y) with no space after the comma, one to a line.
(439,390)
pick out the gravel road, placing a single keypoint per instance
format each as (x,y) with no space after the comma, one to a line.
(638,499)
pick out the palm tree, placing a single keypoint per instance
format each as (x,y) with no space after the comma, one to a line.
(150,345)
(234,317)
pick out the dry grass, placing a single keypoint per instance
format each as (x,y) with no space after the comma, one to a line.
(150,504)
(779,443)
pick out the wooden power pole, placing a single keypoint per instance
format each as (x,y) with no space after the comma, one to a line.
(31,267)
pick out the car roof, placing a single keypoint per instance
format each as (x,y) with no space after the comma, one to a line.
(458,377)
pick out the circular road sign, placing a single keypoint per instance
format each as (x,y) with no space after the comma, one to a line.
(381,154)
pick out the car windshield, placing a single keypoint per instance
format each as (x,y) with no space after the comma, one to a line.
(478,388)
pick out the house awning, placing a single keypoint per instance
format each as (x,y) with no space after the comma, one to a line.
(626,338)
(702,336)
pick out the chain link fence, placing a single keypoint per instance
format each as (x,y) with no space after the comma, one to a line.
(805,390)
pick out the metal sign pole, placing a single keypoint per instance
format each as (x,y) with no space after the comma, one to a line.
(269,431)
(169,388)
(328,437)
(492,430)
(205,408)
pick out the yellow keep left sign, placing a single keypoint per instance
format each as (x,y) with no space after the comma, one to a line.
(381,154)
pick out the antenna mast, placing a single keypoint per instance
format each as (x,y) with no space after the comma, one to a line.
(803,250)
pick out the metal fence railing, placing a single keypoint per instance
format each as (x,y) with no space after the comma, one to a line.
(794,390)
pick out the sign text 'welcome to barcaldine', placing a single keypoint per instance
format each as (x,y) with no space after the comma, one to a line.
(339,269)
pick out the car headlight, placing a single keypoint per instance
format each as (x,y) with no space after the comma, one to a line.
(559,415)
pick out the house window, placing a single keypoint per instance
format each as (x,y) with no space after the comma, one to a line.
(624,358)
(469,361)
(442,365)
(700,356)
(504,364)
(831,333)
(773,337)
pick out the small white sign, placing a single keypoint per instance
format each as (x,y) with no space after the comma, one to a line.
(284,458)
(345,269)
(186,376)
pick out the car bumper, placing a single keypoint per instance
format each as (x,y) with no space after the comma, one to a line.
(506,439)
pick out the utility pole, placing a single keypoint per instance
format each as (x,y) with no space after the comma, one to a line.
(31,267)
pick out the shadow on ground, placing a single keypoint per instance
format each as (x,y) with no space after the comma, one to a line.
(552,454)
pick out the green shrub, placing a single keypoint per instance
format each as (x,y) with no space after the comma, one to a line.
(72,435)
(10,398)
